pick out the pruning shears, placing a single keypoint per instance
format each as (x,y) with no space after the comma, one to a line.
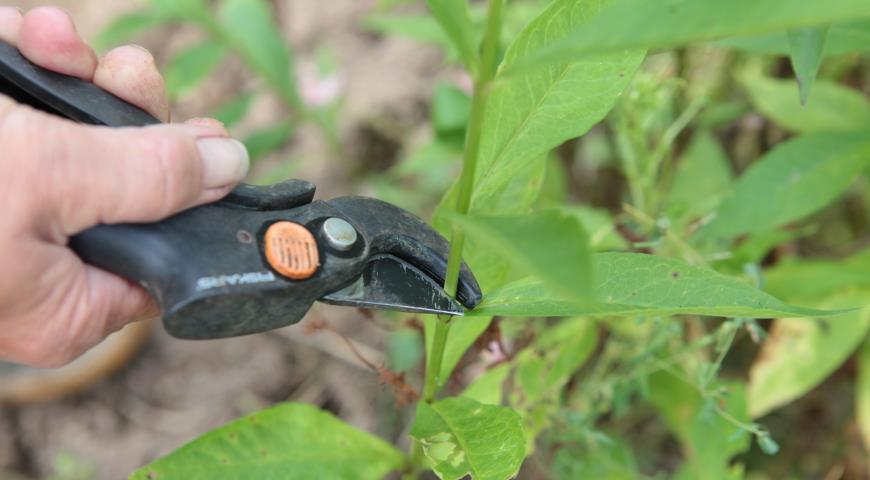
(259,258)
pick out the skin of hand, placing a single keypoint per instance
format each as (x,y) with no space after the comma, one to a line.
(58,178)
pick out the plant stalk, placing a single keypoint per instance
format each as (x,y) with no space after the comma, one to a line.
(466,186)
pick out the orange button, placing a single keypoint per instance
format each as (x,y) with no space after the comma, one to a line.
(291,250)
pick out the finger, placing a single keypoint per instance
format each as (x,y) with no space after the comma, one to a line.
(130,73)
(10,24)
(209,123)
(90,175)
(49,39)
(115,302)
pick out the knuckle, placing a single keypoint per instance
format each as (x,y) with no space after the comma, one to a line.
(174,180)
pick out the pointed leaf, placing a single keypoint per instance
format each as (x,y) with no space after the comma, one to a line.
(701,178)
(487,388)
(656,24)
(551,245)
(810,280)
(454,19)
(528,115)
(249,26)
(806,46)
(637,284)
(124,27)
(842,38)
(832,107)
(463,437)
(795,179)
(190,66)
(799,353)
(289,441)
(233,111)
(708,441)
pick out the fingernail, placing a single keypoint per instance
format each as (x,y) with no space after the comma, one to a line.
(225,161)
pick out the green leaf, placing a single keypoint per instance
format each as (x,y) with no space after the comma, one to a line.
(125,27)
(842,38)
(463,437)
(649,24)
(450,109)
(637,284)
(454,19)
(187,10)
(600,225)
(799,353)
(422,28)
(833,107)
(811,280)
(289,441)
(233,111)
(806,46)
(487,388)
(405,349)
(608,459)
(551,245)
(527,115)
(249,26)
(463,332)
(795,179)
(702,176)
(862,394)
(268,140)
(190,66)
(708,441)
(546,367)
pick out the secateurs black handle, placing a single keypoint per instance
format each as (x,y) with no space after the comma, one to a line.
(207,267)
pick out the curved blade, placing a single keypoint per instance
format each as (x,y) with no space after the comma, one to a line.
(390,230)
(388,283)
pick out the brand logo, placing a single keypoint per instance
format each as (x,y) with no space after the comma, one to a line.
(249,278)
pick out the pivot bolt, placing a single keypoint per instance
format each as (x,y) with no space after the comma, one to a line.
(339,234)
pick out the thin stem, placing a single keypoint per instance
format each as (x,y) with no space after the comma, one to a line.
(485,74)
(466,184)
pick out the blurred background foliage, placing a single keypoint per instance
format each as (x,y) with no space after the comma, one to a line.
(646,397)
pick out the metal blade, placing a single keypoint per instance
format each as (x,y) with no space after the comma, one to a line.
(388,283)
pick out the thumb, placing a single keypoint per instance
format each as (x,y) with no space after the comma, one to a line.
(95,175)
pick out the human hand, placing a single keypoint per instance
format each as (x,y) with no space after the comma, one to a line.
(58,178)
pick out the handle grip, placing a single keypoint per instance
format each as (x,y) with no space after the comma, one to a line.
(207,281)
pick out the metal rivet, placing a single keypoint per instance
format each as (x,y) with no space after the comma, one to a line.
(244,236)
(339,234)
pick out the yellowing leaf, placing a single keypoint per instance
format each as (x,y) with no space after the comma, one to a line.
(463,437)
(799,353)
(289,441)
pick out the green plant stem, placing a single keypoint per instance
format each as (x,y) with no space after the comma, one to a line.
(466,185)
(485,76)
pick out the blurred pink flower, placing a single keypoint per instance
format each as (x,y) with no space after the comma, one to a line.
(317,90)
